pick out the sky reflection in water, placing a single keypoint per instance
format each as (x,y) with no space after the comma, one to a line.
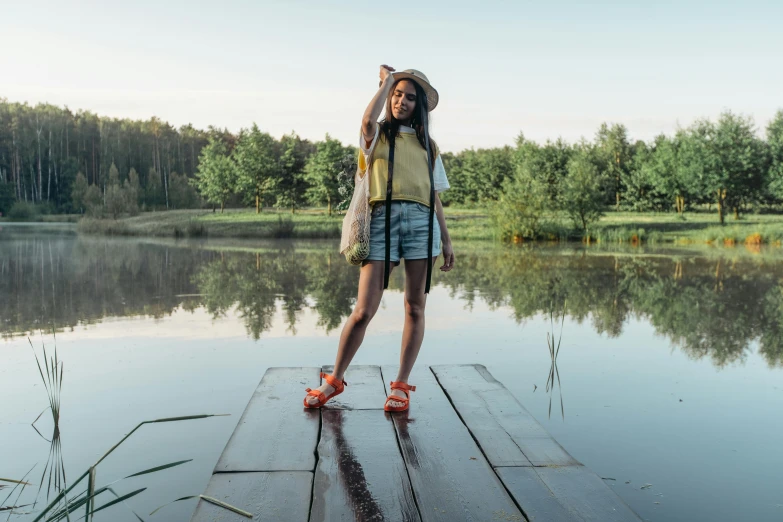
(152,329)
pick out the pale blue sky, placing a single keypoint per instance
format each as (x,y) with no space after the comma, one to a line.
(547,69)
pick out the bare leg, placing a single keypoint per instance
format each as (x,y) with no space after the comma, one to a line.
(413,331)
(370,293)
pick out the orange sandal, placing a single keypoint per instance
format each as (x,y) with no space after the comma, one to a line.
(334,382)
(399,386)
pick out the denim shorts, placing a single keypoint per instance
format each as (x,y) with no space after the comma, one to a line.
(409,229)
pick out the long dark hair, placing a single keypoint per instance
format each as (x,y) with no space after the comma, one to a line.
(390,126)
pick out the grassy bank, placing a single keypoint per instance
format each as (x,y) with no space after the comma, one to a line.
(44,218)
(631,227)
(463,224)
(199,223)
(305,224)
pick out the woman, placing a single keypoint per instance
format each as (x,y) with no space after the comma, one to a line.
(406,174)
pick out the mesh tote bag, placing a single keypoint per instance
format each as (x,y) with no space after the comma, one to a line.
(355,242)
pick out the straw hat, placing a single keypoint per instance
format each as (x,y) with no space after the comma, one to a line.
(418,77)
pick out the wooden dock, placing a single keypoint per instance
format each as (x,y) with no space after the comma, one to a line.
(466,450)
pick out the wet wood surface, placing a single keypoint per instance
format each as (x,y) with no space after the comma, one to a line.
(538,501)
(365,389)
(578,490)
(466,450)
(361,474)
(505,430)
(449,474)
(283,496)
(275,433)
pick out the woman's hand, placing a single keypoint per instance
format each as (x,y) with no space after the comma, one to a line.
(373,110)
(385,72)
(448,257)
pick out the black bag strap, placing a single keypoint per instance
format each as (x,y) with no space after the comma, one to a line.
(430,232)
(387,262)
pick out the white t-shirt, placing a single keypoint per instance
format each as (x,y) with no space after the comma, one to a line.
(439,178)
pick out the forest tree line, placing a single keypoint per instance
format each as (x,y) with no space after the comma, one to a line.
(44,149)
(723,166)
(76,162)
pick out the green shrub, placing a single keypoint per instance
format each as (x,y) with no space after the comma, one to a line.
(23,211)
(106,227)
(522,211)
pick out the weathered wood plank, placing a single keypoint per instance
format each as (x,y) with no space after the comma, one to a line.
(536,499)
(282,496)
(276,432)
(365,389)
(361,474)
(505,430)
(451,478)
(577,489)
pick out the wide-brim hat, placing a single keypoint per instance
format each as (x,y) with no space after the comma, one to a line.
(424,83)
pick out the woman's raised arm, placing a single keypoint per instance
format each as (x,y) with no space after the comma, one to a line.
(370,118)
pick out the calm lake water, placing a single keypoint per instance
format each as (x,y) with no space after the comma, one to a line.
(671,363)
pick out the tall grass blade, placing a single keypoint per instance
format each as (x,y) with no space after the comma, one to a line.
(227,506)
(12,481)
(21,490)
(118,500)
(211,501)
(168,419)
(80,500)
(173,501)
(554,351)
(126,505)
(38,363)
(36,429)
(159,468)
(11,508)
(60,388)
(17,483)
(54,466)
(562,322)
(51,380)
(560,387)
(60,496)
(91,492)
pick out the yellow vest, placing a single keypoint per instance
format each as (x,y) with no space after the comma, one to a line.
(411,180)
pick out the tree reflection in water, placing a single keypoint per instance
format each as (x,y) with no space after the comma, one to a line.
(710,306)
